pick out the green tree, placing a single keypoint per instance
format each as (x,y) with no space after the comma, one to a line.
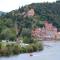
(8,34)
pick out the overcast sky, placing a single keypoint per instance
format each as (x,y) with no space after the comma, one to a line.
(8,5)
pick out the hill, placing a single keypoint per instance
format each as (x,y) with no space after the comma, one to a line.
(20,22)
(45,11)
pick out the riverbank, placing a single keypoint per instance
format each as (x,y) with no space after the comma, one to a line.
(12,49)
(48,53)
(15,49)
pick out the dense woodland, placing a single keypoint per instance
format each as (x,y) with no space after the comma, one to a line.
(14,21)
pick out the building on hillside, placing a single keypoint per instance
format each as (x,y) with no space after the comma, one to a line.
(50,30)
(47,32)
(58,36)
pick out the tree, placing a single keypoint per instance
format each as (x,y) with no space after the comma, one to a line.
(8,34)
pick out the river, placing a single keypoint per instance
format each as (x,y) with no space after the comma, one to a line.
(51,52)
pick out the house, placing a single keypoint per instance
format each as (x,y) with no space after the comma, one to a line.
(49,30)
(58,35)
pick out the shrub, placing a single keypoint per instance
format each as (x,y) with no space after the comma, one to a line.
(0,45)
(16,49)
(29,49)
(13,49)
(22,50)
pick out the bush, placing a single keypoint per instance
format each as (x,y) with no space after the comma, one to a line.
(16,50)
(22,50)
(27,39)
(13,49)
(29,49)
(9,50)
(0,45)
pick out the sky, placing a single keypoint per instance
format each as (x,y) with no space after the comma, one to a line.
(8,5)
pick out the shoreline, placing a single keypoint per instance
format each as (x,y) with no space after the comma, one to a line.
(44,42)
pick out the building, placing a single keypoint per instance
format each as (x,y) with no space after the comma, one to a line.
(47,32)
(50,30)
(58,35)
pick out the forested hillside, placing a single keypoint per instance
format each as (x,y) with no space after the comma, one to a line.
(20,21)
(46,11)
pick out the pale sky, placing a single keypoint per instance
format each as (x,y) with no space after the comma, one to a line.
(8,5)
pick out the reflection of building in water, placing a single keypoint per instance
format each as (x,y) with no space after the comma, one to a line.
(47,32)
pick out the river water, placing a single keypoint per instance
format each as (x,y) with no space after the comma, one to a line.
(51,52)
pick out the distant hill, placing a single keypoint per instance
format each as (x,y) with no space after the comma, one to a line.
(2,13)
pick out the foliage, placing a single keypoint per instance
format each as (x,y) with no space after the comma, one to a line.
(8,34)
(15,20)
(14,49)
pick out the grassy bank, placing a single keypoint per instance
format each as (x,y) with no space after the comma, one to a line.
(14,49)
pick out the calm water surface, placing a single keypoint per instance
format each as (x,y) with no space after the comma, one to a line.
(51,52)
